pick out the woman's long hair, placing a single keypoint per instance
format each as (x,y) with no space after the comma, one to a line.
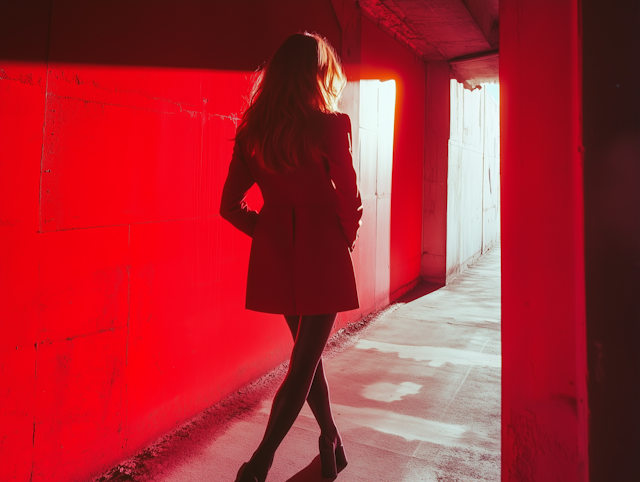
(304,76)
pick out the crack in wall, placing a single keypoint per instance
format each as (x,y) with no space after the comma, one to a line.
(233,117)
(26,79)
(71,338)
(182,106)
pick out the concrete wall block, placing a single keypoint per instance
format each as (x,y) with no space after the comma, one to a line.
(386,111)
(383,214)
(436,159)
(368,162)
(544,375)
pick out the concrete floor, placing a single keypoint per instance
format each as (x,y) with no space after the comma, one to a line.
(416,395)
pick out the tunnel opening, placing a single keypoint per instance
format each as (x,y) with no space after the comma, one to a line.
(473,178)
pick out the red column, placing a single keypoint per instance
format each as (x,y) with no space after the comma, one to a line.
(544,413)
(436,164)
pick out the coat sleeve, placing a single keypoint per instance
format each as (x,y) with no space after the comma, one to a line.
(343,176)
(233,207)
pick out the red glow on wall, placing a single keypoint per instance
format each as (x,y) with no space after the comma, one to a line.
(117,277)
(124,287)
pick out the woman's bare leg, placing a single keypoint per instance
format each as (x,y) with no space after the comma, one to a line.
(313,333)
(318,397)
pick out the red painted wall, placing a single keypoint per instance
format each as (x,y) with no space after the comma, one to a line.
(544,410)
(121,289)
(383,58)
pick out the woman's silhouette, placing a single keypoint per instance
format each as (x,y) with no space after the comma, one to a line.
(295,145)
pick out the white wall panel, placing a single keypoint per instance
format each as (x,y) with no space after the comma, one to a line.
(377,110)
(473,178)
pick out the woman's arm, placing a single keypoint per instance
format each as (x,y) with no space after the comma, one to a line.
(343,176)
(233,207)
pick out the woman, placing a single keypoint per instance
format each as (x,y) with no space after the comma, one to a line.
(294,144)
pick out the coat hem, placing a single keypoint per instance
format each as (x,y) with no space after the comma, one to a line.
(309,312)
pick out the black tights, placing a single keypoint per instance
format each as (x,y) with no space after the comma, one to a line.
(305,380)
(318,396)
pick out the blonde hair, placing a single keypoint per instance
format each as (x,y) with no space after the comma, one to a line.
(302,77)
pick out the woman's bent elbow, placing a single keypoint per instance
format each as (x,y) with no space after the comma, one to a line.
(225,212)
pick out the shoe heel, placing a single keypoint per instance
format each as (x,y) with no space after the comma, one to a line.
(328,457)
(245,474)
(341,458)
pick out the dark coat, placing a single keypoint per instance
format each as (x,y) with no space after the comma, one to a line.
(300,260)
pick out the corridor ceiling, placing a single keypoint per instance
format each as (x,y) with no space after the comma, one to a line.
(463,32)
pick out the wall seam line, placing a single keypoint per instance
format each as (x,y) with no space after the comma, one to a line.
(44,123)
(126,363)
(44,120)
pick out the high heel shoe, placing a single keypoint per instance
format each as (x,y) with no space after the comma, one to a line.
(328,457)
(331,465)
(245,474)
(341,458)
(248,472)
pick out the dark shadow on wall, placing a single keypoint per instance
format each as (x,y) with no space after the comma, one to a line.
(611,139)
(237,35)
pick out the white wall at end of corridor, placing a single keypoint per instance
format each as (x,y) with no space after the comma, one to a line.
(473,181)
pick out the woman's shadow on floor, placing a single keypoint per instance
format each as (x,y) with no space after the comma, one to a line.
(311,473)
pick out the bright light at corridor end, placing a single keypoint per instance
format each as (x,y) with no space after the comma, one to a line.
(493,90)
